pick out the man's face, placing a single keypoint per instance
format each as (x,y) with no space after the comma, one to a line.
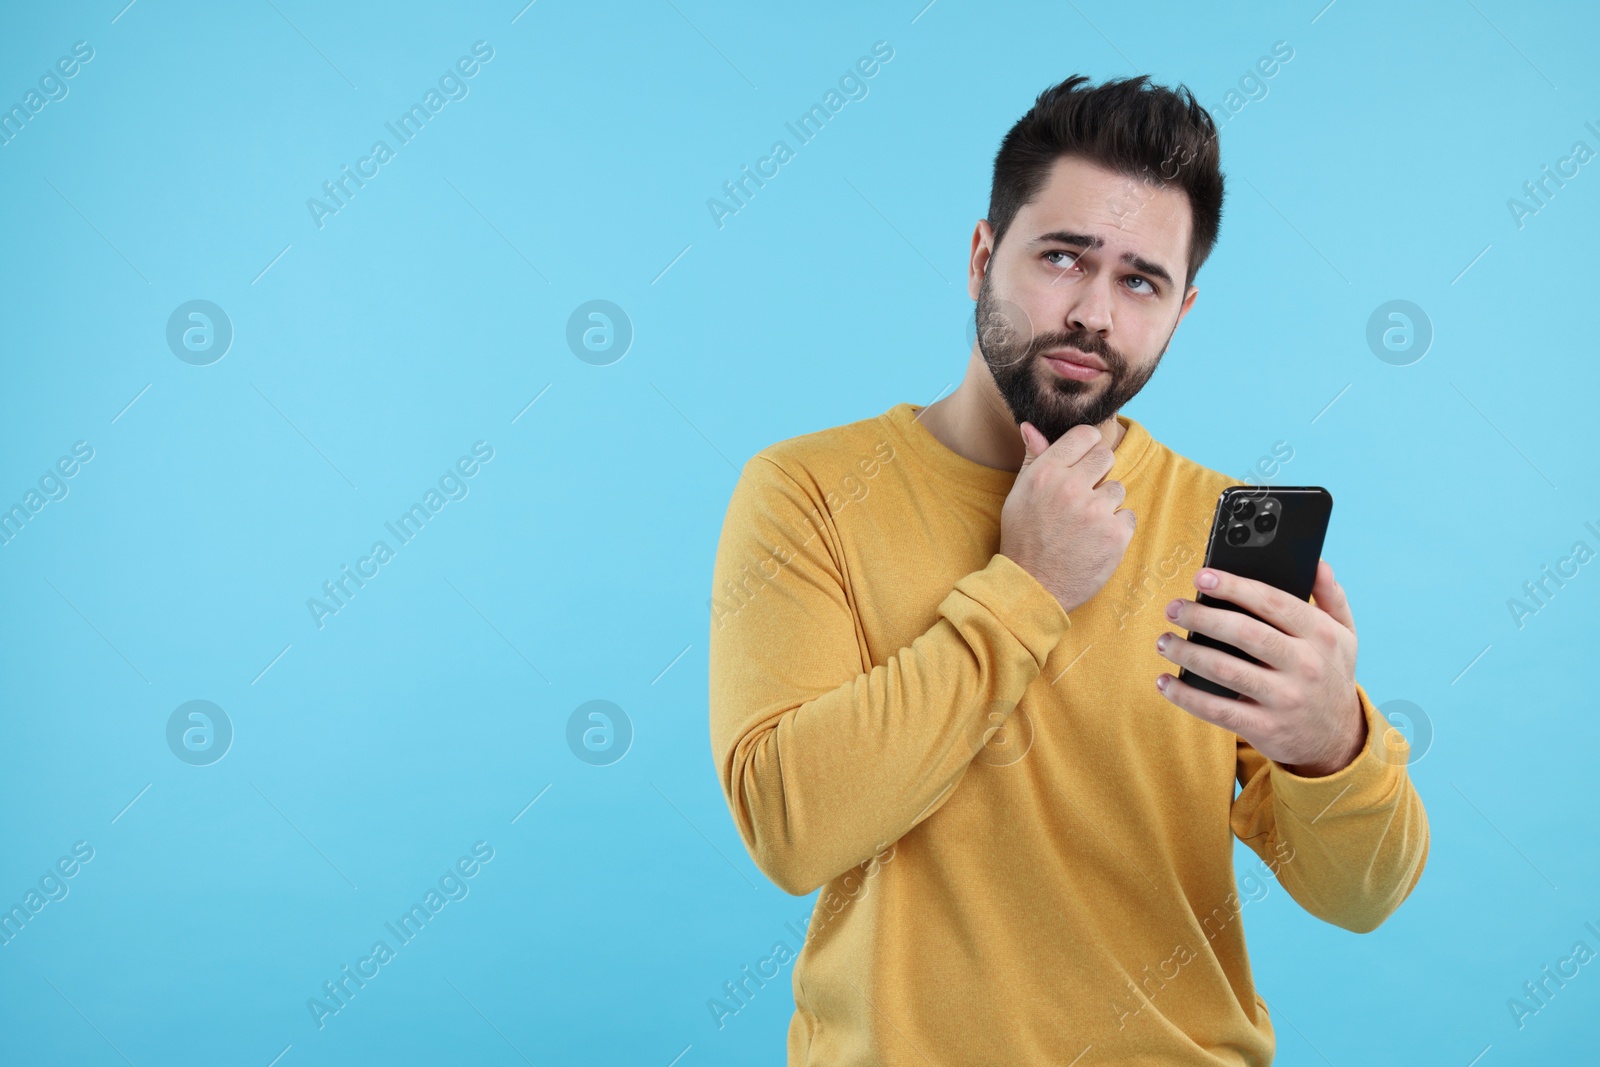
(1088,270)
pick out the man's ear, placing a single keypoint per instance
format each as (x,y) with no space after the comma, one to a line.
(1188,302)
(978,261)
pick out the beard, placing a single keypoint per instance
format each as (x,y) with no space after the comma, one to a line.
(1033,391)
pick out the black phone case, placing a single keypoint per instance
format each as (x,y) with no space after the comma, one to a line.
(1286,556)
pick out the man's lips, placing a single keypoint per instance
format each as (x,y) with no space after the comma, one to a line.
(1069,359)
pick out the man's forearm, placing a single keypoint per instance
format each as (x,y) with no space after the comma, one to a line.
(818,784)
(1359,835)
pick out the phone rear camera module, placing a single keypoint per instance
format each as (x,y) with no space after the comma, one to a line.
(1253,518)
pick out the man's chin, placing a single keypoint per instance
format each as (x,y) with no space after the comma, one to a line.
(1050,423)
(1059,416)
(1054,404)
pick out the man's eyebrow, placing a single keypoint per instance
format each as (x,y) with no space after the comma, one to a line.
(1085,240)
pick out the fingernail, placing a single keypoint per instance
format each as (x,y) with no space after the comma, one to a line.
(1206,580)
(1173,608)
(1161,642)
(1161,682)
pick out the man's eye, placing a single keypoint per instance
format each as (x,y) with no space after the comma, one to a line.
(1072,257)
(1135,279)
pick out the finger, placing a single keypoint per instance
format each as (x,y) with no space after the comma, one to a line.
(1097,459)
(1076,443)
(1097,464)
(1235,716)
(1289,614)
(1329,596)
(1253,636)
(1033,444)
(1223,668)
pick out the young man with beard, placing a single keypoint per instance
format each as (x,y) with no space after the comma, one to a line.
(931,697)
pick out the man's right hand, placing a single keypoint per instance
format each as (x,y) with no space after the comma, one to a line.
(1060,523)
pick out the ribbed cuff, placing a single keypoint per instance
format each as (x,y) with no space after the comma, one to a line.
(1367,781)
(1024,607)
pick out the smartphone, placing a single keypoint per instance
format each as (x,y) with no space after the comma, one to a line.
(1272,534)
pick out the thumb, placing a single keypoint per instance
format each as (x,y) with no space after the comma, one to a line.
(1033,444)
(1329,596)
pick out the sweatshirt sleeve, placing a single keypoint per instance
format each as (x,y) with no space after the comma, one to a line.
(824,757)
(1350,846)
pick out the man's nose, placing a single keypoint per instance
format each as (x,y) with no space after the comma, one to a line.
(1091,310)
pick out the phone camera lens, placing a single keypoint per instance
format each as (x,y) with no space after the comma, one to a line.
(1238,534)
(1243,509)
(1266,522)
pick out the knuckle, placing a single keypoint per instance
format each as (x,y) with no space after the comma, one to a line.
(1086,433)
(1220,713)
(1306,680)
(1314,670)
(1330,636)
(1230,672)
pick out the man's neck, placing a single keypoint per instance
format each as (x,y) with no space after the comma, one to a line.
(975,423)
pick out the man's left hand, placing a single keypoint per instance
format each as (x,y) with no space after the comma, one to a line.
(1299,708)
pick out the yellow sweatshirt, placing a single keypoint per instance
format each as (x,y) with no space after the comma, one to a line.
(1025,850)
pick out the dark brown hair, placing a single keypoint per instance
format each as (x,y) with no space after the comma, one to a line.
(1127,125)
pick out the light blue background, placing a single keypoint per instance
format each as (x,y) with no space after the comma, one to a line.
(432,309)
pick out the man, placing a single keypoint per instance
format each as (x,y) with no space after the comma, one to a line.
(943,660)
